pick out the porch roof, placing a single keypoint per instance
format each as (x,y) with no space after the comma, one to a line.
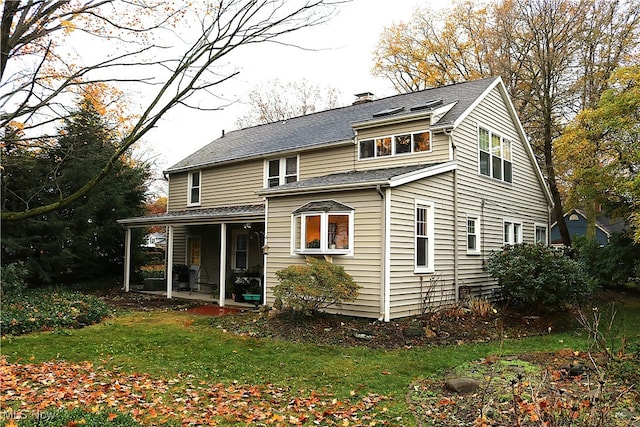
(215,215)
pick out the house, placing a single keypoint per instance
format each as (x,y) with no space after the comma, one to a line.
(576,220)
(155,240)
(410,193)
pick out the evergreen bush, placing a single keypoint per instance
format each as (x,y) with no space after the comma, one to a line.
(315,286)
(539,278)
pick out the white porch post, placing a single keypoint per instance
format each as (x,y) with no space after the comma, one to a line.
(127,259)
(223,263)
(169,261)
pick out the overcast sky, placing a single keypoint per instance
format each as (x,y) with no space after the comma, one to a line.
(344,62)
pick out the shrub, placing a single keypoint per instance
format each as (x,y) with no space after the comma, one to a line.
(48,309)
(537,277)
(315,286)
(612,266)
(13,279)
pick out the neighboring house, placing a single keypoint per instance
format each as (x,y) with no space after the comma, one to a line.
(155,240)
(409,193)
(576,221)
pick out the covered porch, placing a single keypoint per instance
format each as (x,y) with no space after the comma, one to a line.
(214,255)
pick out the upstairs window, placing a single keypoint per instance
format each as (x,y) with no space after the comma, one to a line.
(494,156)
(193,196)
(323,227)
(281,171)
(395,145)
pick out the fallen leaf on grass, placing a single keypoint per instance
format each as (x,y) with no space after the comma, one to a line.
(150,400)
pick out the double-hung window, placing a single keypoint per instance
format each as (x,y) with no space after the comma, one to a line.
(494,155)
(424,237)
(512,232)
(473,235)
(323,227)
(540,231)
(240,250)
(193,195)
(281,171)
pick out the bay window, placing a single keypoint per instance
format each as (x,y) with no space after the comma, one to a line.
(319,227)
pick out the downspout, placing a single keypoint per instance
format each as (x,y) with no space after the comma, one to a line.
(382,253)
(456,284)
(387,256)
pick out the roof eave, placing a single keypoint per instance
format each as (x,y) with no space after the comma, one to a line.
(322,189)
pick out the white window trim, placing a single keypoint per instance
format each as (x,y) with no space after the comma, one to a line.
(516,238)
(546,232)
(190,187)
(393,145)
(502,139)
(430,268)
(297,242)
(477,250)
(282,170)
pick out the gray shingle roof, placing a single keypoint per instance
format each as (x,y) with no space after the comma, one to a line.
(191,215)
(335,180)
(329,126)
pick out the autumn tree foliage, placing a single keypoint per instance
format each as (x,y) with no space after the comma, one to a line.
(555,57)
(81,240)
(52,51)
(599,152)
(275,100)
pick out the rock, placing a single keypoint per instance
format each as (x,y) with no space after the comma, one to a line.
(462,385)
(362,336)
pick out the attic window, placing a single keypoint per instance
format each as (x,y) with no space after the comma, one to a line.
(426,105)
(388,112)
(322,227)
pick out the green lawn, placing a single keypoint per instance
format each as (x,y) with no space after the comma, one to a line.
(175,344)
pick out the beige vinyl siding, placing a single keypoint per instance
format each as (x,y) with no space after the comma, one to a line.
(439,146)
(177,194)
(330,160)
(408,289)
(224,185)
(522,200)
(366,264)
(179,245)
